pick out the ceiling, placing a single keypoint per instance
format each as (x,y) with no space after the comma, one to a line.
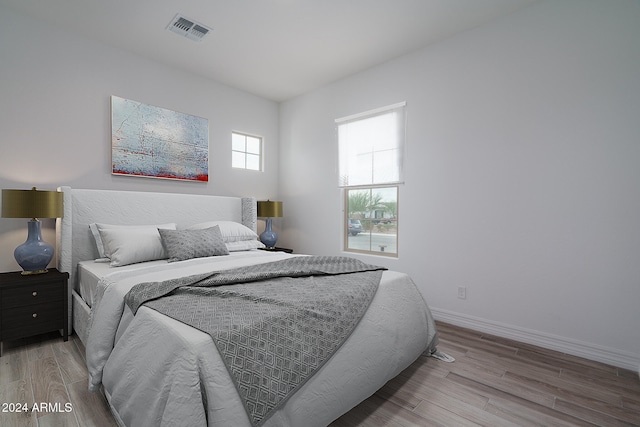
(276,49)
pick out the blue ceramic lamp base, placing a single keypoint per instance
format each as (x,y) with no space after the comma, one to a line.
(35,254)
(268,236)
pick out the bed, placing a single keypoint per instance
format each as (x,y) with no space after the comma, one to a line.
(156,369)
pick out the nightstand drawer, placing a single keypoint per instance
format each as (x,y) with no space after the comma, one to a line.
(29,294)
(33,317)
(33,304)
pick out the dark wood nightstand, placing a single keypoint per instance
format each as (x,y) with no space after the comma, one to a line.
(277,249)
(31,305)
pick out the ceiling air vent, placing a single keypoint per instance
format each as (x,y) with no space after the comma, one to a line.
(188,28)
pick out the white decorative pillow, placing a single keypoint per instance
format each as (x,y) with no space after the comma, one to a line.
(187,244)
(231,231)
(131,245)
(244,245)
(96,227)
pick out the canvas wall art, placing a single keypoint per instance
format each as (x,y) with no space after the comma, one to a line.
(155,142)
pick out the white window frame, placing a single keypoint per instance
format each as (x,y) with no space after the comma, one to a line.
(245,152)
(360,168)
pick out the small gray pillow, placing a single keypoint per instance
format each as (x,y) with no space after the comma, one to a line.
(186,244)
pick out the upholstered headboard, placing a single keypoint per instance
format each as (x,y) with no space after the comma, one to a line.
(83,207)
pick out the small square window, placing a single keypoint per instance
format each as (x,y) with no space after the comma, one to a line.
(246,151)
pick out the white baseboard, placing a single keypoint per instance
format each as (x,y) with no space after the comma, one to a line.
(586,350)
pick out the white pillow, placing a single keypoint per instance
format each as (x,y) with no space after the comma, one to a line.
(96,227)
(130,245)
(231,231)
(244,245)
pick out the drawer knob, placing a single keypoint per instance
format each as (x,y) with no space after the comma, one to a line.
(34,315)
(34,293)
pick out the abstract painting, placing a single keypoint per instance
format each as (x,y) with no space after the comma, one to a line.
(159,143)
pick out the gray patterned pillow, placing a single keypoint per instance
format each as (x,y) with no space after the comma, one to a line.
(186,244)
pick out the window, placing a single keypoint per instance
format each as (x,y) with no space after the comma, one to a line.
(371,150)
(246,151)
(372,220)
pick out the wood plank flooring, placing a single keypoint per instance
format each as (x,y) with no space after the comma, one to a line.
(499,382)
(493,382)
(47,370)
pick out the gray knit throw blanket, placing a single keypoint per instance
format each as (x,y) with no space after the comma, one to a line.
(274,324)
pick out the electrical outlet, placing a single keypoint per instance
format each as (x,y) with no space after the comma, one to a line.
(462,292)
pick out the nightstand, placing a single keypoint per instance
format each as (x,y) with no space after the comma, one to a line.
(276,249)
(33,304)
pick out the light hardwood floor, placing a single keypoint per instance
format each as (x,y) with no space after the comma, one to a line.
(499,382)
(493,382)
(46,369)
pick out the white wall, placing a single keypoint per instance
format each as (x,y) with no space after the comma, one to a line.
(522,180)
(522,177)
(55,119)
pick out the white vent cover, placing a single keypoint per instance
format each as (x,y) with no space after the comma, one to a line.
(188,28)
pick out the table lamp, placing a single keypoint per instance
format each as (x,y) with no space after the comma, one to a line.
(35,254)
(269,210)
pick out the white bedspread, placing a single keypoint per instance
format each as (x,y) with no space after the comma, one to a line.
(158,371)
(90,272)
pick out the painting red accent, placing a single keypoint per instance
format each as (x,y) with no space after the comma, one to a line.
(201,177)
